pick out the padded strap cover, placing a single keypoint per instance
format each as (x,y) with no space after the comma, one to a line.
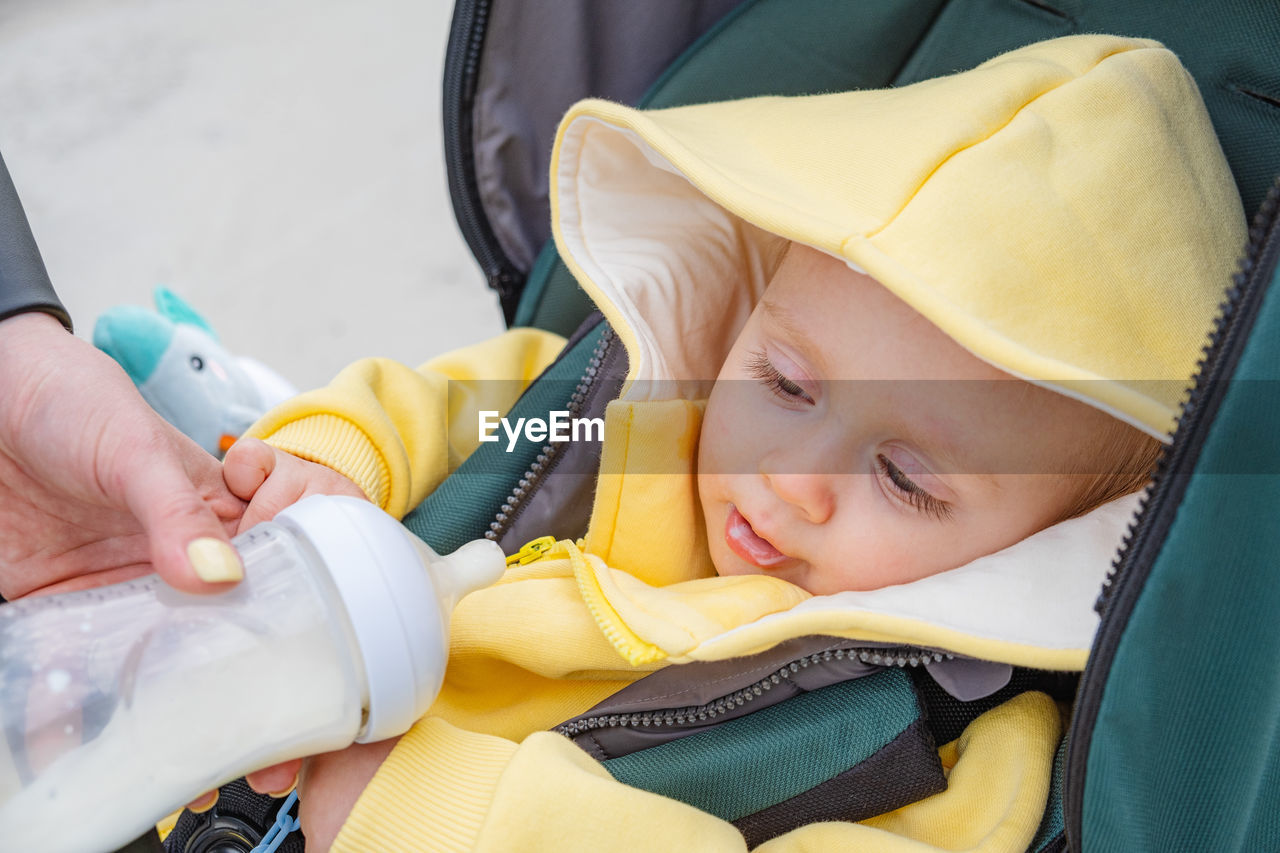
(24,283)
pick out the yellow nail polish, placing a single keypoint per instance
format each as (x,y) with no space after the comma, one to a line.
(214,561)
(204,804)
(282,794)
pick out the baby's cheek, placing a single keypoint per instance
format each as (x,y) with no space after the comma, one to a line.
(869,546)
(728,444)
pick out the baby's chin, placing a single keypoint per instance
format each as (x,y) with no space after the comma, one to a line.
(730,566)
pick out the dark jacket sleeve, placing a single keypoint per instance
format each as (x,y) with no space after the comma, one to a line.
(24,283)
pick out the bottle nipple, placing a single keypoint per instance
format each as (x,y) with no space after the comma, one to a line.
(475,565)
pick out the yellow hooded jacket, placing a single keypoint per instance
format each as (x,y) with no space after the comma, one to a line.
(1063,211)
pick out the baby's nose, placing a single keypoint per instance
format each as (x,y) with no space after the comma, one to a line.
(810,493)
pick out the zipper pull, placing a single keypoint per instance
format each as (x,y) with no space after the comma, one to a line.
(531,552)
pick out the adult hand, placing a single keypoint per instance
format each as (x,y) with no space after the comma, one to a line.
(95,487)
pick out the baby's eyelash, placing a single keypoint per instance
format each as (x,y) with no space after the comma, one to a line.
(911,493)
(759,366)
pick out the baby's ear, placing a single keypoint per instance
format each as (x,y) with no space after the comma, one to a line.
(177,310)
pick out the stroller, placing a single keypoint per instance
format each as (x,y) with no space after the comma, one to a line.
(1169,747)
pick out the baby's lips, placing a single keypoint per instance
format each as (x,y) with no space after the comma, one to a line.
(743,540)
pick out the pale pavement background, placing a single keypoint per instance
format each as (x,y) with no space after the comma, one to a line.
(276,162)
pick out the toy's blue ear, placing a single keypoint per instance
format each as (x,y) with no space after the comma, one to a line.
(172,306)
(134,336)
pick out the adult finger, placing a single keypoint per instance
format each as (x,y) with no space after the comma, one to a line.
(189,547)
(204,802)
(276,780)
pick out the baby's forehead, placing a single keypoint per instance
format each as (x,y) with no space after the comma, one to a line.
(779,308)
(848,325)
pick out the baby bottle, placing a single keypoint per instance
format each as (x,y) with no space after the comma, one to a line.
(121,703)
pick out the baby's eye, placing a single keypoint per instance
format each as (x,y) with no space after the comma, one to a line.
(909,491)
(761,368)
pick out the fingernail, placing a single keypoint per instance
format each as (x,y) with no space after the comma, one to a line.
(203,804)
(284,793)
(214,561)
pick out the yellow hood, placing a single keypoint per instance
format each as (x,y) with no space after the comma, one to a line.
(1064,211)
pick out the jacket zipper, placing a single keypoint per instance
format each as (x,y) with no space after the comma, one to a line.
(546,547)
(1220,355)
(528,484)
(901,657)
(461,77)
(1142,545)
(542,548)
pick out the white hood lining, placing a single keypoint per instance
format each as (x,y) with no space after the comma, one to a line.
(1038,592)
(677,276)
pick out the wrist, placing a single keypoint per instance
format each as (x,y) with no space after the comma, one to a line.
(26,341)
(37,309)
(340,445)
(34,322)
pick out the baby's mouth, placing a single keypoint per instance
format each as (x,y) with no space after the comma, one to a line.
(743,540)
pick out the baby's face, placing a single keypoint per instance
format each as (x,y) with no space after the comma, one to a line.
(853,485)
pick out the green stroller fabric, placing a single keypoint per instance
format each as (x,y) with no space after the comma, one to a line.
(792,47)
(1175,742)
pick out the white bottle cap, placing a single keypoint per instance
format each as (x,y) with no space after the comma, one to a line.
(398,595)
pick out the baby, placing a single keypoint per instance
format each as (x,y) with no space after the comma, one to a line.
(935,312)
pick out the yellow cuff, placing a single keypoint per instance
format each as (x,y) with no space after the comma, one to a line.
(432,792)
(339,444)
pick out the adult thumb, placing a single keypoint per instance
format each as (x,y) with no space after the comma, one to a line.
(188,544)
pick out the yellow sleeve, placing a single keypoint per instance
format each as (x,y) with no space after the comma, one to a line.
(397,432)
(443,788)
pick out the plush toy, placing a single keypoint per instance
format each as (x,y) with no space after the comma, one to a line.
(174,357)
